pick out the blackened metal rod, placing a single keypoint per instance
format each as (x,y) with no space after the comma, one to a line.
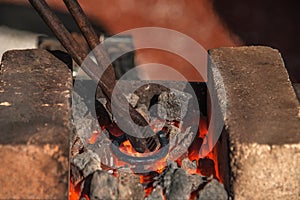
(62,34)
(66,39)
(106,83)
(83,23)
(92,39)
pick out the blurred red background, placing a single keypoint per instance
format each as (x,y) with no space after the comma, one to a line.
(211,23)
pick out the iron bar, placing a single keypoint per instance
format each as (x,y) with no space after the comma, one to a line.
(106,83)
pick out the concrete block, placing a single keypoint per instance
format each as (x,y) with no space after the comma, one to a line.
(261,115)
(34,125)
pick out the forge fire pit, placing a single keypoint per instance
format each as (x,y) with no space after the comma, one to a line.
(244,154)
(174,170)
(236,135)
(256,156)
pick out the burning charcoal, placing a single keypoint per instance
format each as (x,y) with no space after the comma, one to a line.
(207,167)
(196,181)
(156,194)
(77,146)
(156,123)
(181,186)
(164,179)
(173,105)
(149,92)
(167,175)
(129,185)
(173,131)
(213,191)
(85,123)
(102,147)
(87,162)
(76,175)
(189,165)
(103,186)
(181,144)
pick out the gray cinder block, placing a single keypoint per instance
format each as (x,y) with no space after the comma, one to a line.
(261,115)
(34,125)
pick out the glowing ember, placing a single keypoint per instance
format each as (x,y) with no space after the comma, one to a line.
(127,148)
(193,155)
(94,136)
(73,194)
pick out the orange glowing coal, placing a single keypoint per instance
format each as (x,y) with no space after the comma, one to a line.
(193,154)
(94,137)
(127,148)
(73,194)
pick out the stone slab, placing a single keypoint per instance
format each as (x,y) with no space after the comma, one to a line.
(261,115)
(35,125)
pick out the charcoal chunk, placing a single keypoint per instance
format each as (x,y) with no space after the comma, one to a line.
(207,167)
(188,165)
(167,175)
(103,186)
(87,162)
(156,194)
(102,147)
(180,144)
(83,120)
(129,185)
(213,191)
(173,105)
(180,187)
(196,181)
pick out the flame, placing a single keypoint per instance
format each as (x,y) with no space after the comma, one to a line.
(127,148)
(73,194)
(196,145)
(213,156)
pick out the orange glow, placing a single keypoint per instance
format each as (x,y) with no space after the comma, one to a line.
(193,154)
(196,145)
(86,197)
(128,149)
(213,156)
(94,136)
(73,194)
(148,191)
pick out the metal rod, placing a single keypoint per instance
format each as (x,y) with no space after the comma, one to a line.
(73,48)
(59,30)
(88,32)
(106,83)
(83,23)
(92,39)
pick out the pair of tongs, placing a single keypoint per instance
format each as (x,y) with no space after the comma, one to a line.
(146,141)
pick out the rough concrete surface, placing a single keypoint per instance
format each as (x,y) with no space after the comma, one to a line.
(32,172)
(34,125)
(261,114)
(266,171)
